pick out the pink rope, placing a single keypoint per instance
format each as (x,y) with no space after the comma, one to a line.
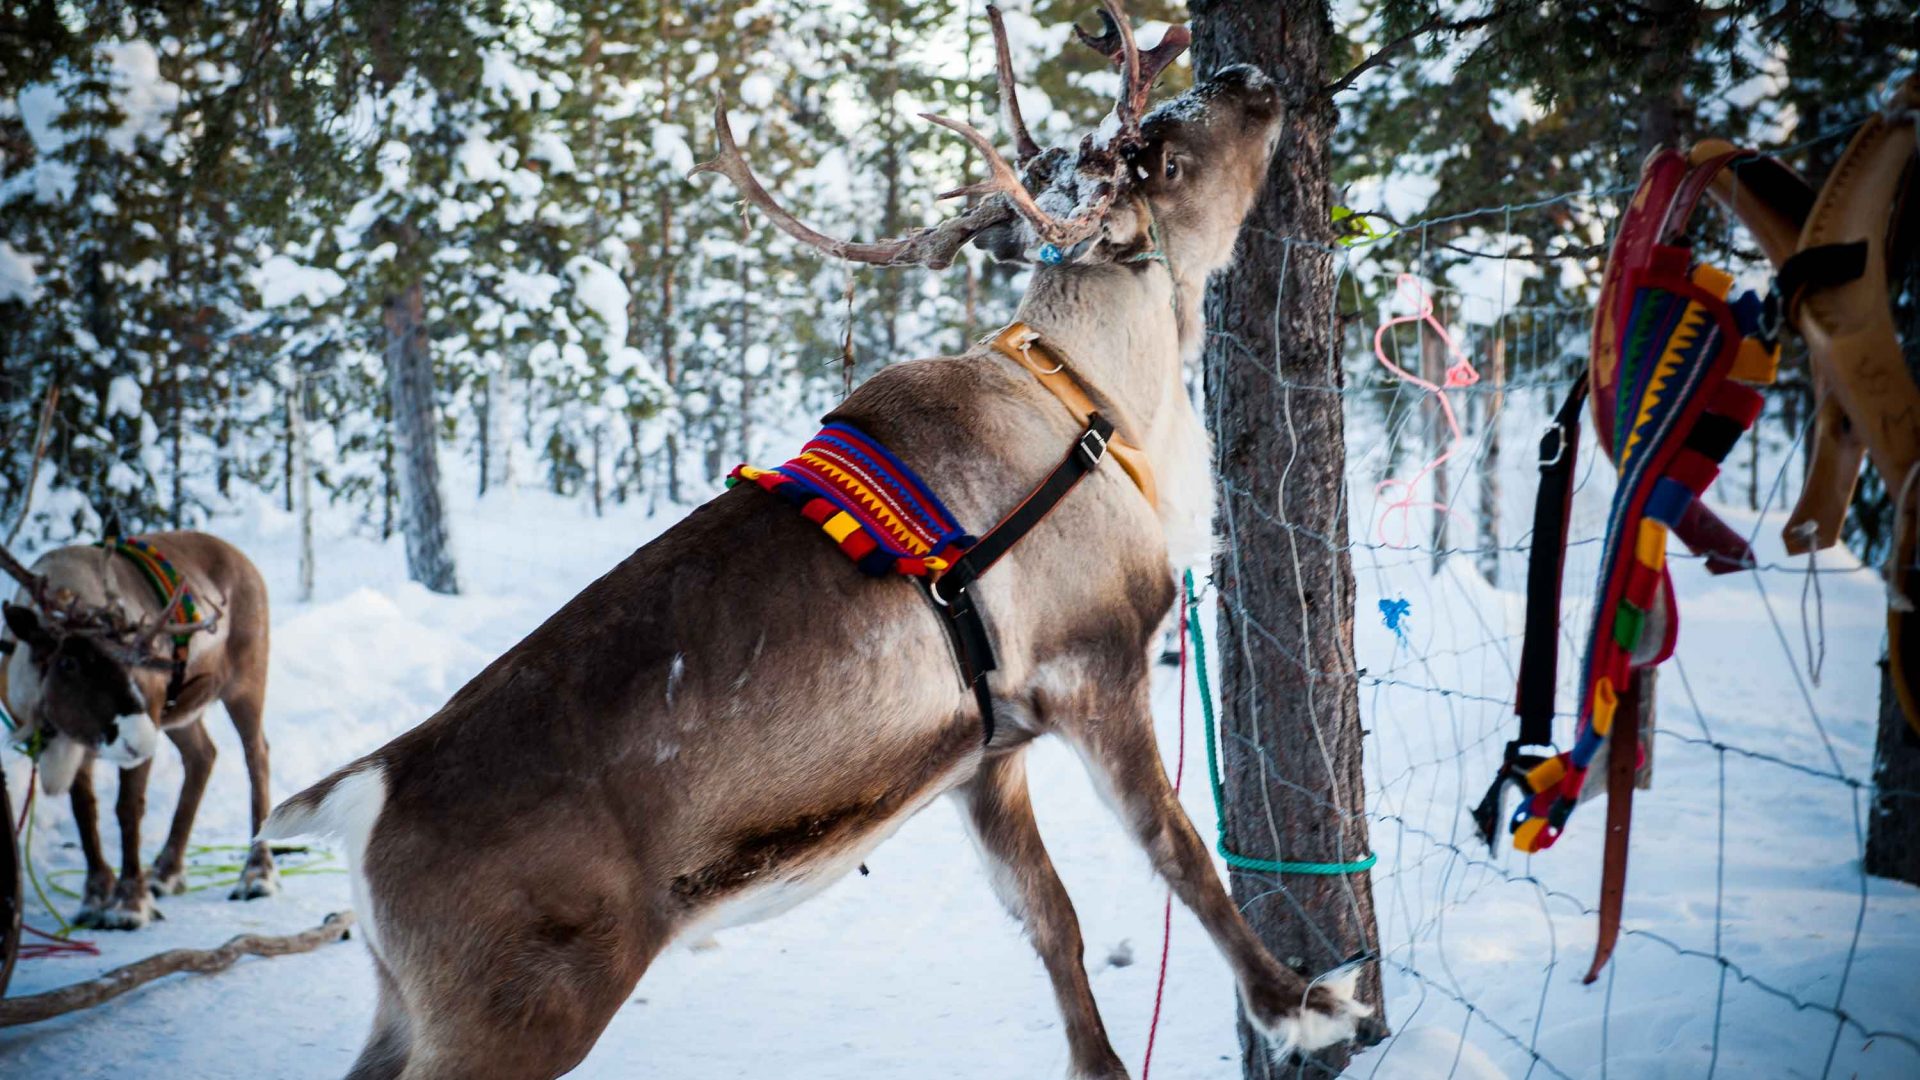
(1460,373)
(1166,918)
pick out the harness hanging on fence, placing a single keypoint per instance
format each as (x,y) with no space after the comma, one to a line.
(1831,254)
(175,599)
(881,515)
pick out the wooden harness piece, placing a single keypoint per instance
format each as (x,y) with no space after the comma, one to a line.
(1832,267)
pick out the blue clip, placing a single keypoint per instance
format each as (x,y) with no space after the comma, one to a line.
(1052,255)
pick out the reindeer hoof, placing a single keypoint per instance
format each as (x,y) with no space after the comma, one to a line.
(131,911)
(162,883)
(256,881)
(1330,1016)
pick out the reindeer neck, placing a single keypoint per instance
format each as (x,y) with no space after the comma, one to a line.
(1123,332)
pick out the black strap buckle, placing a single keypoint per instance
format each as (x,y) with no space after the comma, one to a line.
(1558,433)
(1091,448)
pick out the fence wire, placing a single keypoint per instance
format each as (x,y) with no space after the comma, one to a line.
(1749,913)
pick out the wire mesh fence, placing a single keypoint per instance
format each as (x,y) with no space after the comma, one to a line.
(1754,942)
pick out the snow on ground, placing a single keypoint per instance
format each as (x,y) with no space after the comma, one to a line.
(915,970)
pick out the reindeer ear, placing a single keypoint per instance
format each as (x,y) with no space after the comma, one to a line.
(1009,242)
(26,626)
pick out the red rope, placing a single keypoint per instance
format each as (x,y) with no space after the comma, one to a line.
(1166,920)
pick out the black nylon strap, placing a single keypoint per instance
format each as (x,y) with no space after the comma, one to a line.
(177,675)
(1539,654)
(1819,267)
(1540,651)
(952,592)
(1713,436)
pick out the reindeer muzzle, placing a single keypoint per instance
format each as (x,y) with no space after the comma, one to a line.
(135,737)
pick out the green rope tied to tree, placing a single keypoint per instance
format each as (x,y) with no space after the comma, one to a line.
(1234,858)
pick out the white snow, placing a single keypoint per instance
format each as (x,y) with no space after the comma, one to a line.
(123,397)
(18,281)
(282,280)
(602,293)
(915,970)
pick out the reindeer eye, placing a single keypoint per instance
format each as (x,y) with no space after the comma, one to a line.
(1173,168)
(67,665)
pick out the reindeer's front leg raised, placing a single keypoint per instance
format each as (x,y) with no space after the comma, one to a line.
(1119,749)
(1001,816)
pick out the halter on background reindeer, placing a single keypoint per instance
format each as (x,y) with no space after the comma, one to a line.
(732,718)
(1673,374)
(114,644)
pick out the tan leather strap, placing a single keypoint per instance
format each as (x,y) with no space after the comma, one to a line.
(1023,345)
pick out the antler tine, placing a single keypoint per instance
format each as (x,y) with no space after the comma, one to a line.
(1128,107)
(1004,180)
(1024,148)
(28,580)
(933,247)
(1139,70)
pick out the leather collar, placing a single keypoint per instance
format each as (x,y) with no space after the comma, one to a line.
(1024,346)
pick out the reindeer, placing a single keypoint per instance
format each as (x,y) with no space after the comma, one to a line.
(89,678)
(731,718)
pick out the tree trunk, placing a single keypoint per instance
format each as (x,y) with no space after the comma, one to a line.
(1666,113)
(303,483)
(1286,599)
(415,442)
(485,434)
(1491,406)
(1893,827)
(669,368)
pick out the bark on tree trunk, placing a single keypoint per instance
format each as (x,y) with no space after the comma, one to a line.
(303,483)
(1893,826)
(1492,404)
(416,447)
(1286,598)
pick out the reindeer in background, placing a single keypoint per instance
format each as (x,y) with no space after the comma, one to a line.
(88,677)
(730,719)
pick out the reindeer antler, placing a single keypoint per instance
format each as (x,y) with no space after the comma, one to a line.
(104,622)
(1138,71)
(935,246)
(1024,148)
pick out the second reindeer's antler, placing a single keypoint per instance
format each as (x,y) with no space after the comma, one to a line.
(66,614)
(1003,194)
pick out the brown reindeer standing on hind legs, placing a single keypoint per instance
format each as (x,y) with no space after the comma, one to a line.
(89,676)
(731,718)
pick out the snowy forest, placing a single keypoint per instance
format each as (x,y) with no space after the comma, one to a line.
(427,309)
(229,233)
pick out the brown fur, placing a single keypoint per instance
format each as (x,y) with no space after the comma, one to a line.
(733,713)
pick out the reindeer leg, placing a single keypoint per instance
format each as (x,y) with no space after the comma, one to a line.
(245,704)
(169,874)
(1121,754)
(133,905)
(86,818)
(1000,814)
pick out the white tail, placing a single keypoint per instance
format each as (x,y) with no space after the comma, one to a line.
(345,807)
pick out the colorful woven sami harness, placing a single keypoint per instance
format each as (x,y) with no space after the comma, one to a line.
(876,509)
(1669,356)
(873,506)
(175,599)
